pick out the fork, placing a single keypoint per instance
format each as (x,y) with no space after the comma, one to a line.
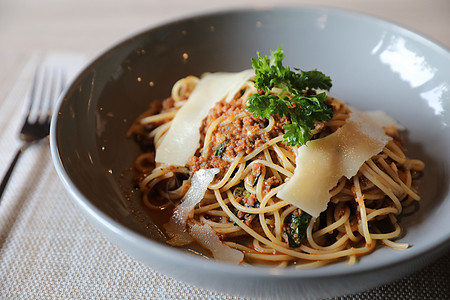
(47,85)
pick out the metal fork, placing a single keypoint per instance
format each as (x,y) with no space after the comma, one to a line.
(47,85)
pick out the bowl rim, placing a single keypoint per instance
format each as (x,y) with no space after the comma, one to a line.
(180,256)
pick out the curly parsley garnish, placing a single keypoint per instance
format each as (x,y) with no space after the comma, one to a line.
(303,108)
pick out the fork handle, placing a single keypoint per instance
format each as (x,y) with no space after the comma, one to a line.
(10,170)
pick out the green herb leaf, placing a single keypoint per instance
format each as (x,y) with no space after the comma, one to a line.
(267,105)
(303,109)
(296,229)
(220,149)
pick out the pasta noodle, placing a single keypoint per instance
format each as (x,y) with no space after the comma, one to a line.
(241,204)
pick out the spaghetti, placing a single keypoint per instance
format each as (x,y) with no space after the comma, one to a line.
(253,164)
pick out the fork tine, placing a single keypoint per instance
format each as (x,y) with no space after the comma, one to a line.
(37,95)
(35,89)
(48,93)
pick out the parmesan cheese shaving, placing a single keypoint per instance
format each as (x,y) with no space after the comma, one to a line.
(383,119)
(182,139)
(176,227)
(322,162)
(380,117)
(208,238)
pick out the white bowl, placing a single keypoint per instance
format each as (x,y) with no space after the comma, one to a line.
(374,65)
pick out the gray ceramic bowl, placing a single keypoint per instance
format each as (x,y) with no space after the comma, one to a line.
(374,65)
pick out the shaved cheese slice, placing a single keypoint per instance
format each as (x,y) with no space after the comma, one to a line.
(383,119)
(176,227)
(322,162)
(208,238)
(183,137)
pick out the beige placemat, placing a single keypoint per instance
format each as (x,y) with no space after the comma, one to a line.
(49,251)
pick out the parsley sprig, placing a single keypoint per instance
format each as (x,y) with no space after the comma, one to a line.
(302,107)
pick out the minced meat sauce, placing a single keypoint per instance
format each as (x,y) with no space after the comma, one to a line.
(238,132)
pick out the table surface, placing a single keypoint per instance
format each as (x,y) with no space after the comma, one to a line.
(47,248)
